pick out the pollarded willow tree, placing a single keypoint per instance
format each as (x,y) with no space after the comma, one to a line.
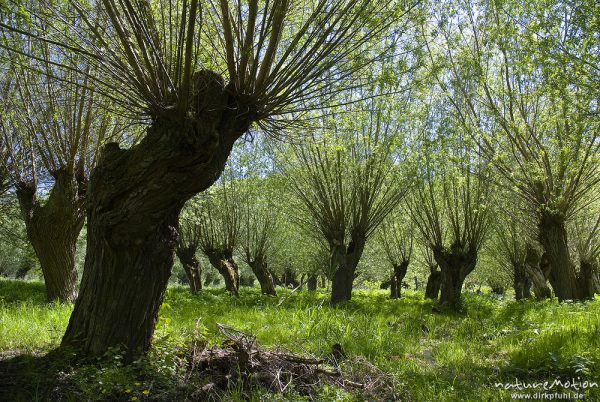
(347,183)
(449,205)
(200,74)
(538,126)
(53,130)
(259,222)
(188,244)
(397,239)
(220,229)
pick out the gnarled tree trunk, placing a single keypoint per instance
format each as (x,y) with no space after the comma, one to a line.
(455,266)
(537,273)
(191,266)
(397,278)
(345,259)
(553,237)
(135,197)
(265,279)
(434,283)
(53,229)
(224,263)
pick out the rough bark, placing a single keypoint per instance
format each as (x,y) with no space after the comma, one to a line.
(553,237)
(455,265)
(434,283)
(223,262)
(587,286)
(345,259)
(397,278)
(135,197)
(53,229)
(537,273)
(191,266)
(265,279)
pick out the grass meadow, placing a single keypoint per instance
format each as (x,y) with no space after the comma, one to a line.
(424,355)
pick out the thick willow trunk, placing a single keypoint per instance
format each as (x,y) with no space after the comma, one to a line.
(553,237)
(223,262)
(455,266)
(345,260)
(53,229)
(134,200)
(265,279)
(191,266)
(397,278)
(434,283)
(537,272)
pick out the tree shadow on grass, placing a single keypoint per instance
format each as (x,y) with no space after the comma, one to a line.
(33,378)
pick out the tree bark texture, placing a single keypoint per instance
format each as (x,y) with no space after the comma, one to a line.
(223,262)
(587,284)
(397,278)
(53,229)
(553,237)
(265,279)
(191,266)
(134,199)
(455,266)
(434,283)
(538,273)
(345,259)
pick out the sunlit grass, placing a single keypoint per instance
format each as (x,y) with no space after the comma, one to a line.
(431,356)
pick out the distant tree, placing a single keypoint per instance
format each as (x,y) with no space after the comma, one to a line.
(396,238)
(347,183)
(258,229)
(586,232)
(220,225)
(448,206)
(188,245)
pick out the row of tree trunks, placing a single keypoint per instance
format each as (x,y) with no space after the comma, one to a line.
(135,197)
(397,278)
(53,229)
(345,260)
(454,266)
(265,279)
(434,283)
(224,263)
(191,267)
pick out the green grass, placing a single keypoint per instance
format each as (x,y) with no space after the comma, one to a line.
(430,357)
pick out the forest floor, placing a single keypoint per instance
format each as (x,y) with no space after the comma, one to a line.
(390,349)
